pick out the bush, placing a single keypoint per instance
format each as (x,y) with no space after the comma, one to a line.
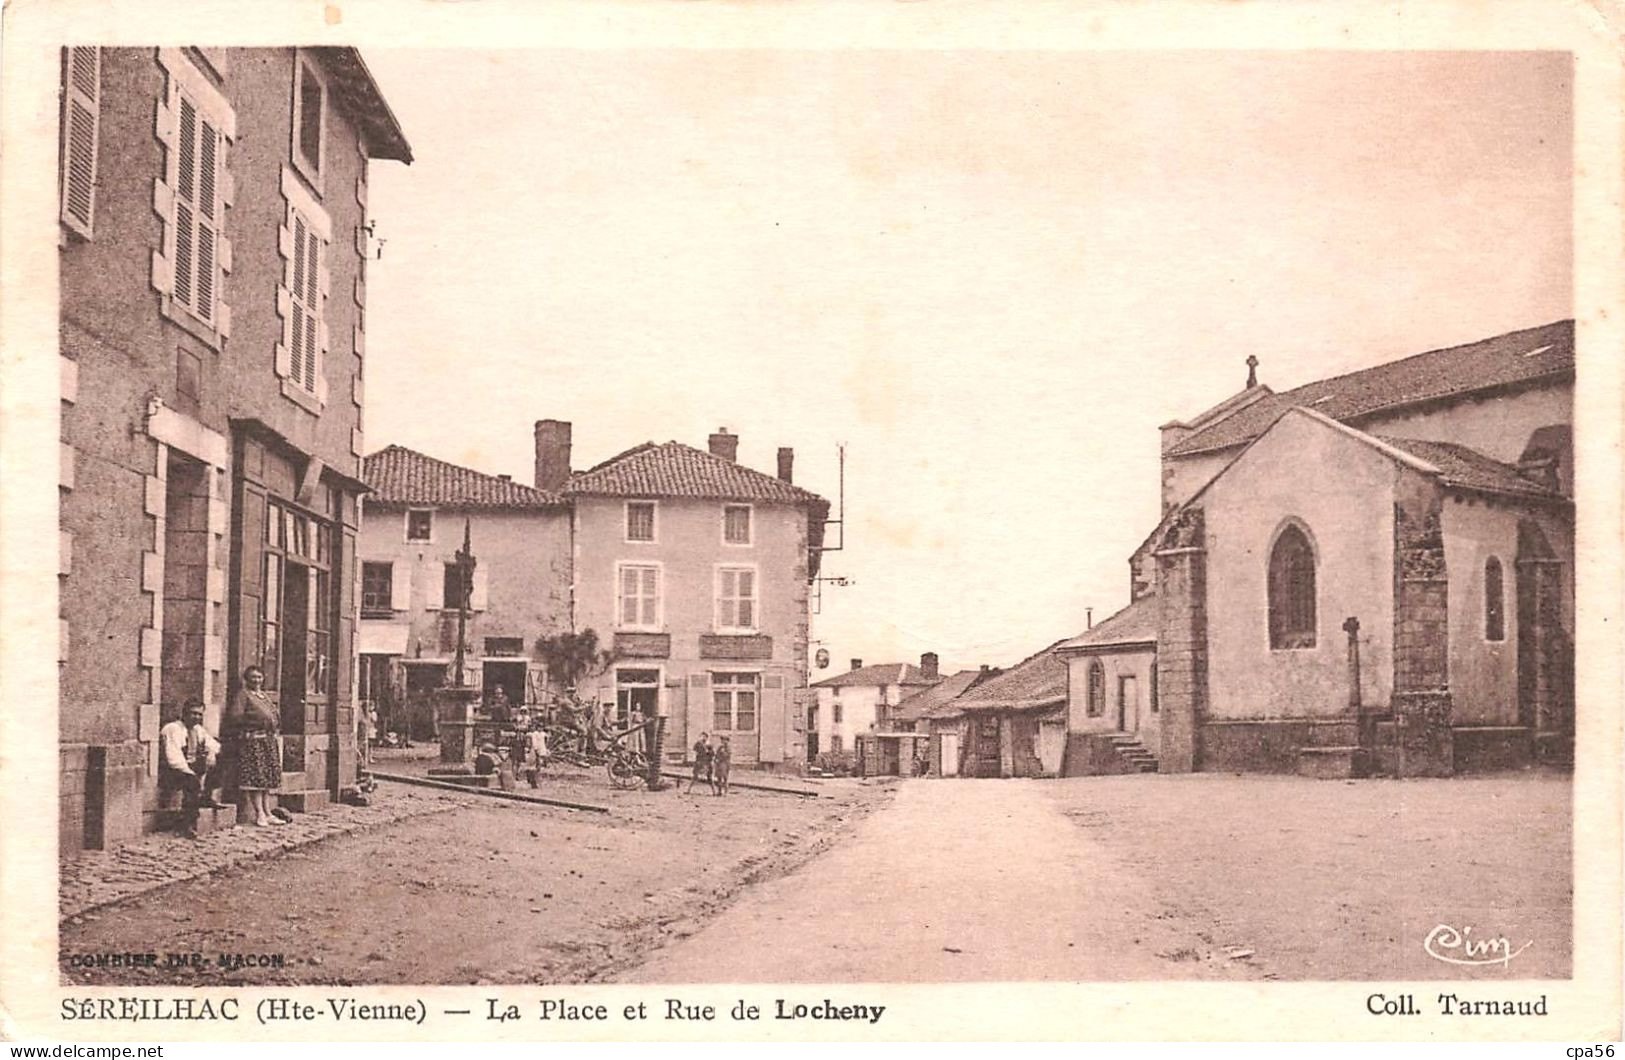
(840,763)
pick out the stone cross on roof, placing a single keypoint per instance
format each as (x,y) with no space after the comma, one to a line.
(1252,371)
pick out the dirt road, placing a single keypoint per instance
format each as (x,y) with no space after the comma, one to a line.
(955,881)
(488,892)
(1176,877)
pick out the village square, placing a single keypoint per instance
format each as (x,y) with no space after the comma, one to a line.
(342,707)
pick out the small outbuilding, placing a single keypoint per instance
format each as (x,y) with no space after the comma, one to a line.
(1015,723)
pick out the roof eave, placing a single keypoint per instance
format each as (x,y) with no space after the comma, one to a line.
(382,131)
(1107,646)
(1409,404)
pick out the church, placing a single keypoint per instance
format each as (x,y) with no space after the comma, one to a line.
(1371,574)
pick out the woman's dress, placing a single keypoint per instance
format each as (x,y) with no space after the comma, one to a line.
(252,727)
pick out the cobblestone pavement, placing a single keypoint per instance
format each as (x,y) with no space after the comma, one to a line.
(97,878)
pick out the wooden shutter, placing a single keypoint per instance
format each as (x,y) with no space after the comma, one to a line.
(771,722)
(207,221)
(185,290)
(400,589)
(81,132)
(477,597)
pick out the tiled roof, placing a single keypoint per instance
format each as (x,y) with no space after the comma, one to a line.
(399,475)
(366,104)
(1037,681)
(938,697)
(1471,469)
(1134,624)
(1516,357)
(677,470)
(879,674)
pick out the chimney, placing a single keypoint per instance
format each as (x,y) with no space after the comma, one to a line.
(985,669)
(787,461)
(725,445)
(857,664)
(552,454)
(928,665)
(505,478)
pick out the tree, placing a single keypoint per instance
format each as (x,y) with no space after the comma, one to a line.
(572,656)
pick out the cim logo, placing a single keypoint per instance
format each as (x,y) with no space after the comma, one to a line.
(1453,946)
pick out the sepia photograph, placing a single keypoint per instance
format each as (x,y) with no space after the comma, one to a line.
(661,514)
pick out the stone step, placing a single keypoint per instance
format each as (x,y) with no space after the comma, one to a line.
(305,800)
(1332,763)
(208,820)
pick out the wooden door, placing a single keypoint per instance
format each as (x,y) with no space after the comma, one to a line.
(1128,703)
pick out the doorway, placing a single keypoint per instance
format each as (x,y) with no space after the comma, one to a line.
(985,733)
(948,754)
(636,688)
(506,675)
(295,645)
(185,590)
(1128,703)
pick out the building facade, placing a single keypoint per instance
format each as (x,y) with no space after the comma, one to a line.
(415,521)
(694,571)
(862,700)
(1371,573)
(213,256)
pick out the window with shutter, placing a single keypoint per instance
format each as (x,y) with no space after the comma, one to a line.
(305,290)
(638,592)
(377,589)
(302,241)
(81,120)
(736,599)
(195,172)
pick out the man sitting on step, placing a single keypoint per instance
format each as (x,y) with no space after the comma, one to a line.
(186,762)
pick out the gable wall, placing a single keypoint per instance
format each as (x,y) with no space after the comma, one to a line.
(1343,491)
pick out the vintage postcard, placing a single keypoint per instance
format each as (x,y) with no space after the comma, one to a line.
(811,522)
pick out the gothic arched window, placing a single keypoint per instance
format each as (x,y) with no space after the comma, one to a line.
(1097,689)
(1494,601)
(1292,591)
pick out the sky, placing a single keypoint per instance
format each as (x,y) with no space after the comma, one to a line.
(989,275)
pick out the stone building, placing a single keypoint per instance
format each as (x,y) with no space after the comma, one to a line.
(213,249)
(694,570)
(1369,573)
(862,700)
(1014,724)
(415,520)
(932,711)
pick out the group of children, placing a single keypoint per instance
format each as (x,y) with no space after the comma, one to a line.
(712,763)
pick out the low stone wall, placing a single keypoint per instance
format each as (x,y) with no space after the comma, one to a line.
(1093,755)
(117,795)
(1268,745)
(1483,749)
(73,765)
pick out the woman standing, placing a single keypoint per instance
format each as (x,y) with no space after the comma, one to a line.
(249,730)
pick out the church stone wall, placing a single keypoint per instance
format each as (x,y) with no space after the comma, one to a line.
(1483,672)
(1341,491)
